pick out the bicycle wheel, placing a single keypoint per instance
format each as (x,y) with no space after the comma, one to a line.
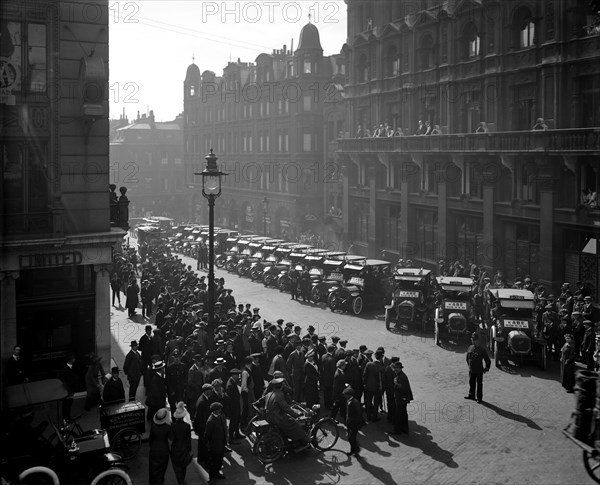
(325,434)
(126,443)
(113,476)
(38,475)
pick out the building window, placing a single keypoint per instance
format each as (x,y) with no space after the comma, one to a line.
(590,94)
(426,234)
(360,223)
(426,53)
(525,28)
(24,177)
(521,251)
(307,66)
(469,237)
(527,34)
(472,40)
(391,62)
(307,145)
(307,105)
(391,228)
(363,68)
(24,54)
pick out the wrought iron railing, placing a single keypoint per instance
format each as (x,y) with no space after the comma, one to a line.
(577,140)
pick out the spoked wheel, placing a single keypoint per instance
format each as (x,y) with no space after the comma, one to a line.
(592,465)
(268,279)
(332,301)
(325,434)
(268,447)
(219,262)
(357,305)
(127,443)
(113,476)
(315,294)
(38,475)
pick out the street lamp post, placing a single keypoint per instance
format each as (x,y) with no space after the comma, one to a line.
(265,203)
(211,189)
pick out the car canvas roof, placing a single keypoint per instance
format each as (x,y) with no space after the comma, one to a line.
(507,293)
(376,262)
(413,272)
(354,257)
(454,281)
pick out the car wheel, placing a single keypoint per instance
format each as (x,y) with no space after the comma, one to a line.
(315,294)
(332,301)
(357,305)
(269,447)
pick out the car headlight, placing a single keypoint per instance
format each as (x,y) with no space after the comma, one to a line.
(316,408)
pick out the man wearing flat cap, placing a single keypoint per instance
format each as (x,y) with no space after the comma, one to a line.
(200,419)
(295,368)
(588,345)
(339,383)
(215,435)
(233,409)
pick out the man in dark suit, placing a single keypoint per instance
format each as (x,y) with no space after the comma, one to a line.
(233,408)
(215,435)
(69,378)
(200,419)
(133,368)
(354,420)
(402,396)
(15,372)
(145,347)
(339,383)
(295,368)
(372,378)
(327,372)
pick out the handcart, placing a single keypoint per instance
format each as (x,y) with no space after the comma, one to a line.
(125,424)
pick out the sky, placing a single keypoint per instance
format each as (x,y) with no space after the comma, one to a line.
(152,43)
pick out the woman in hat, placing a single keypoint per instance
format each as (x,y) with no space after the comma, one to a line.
(567,363)
(158,459)
(181,442)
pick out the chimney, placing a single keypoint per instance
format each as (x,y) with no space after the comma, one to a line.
(151,119)
(284,49)
(138,116)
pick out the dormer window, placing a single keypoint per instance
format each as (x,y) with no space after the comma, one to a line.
(307,66)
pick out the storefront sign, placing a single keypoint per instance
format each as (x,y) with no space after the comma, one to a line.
(49,260)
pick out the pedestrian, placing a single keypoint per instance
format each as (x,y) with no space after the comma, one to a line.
(200,418)
(115,285)
(295,368)
(156,390)
(195,381)
(233,408)
(311,380)
(327,373)
(339,383)
(215,435)
(132,297)
(402,396)
(133,368)
(181,442)
(354,420)
(15,372)
(294,280)
(114,391)
(69,379)
(94,382)
(567,363)
(373,381)
(158,459)
(588,345)
(476,355)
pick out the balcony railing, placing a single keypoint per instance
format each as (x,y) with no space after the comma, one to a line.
(577,140)
(119,208)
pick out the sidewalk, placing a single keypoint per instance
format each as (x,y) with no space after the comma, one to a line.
(138,466)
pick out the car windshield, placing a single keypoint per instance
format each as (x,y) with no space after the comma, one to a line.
(515,312)
(411,283)
(456,295)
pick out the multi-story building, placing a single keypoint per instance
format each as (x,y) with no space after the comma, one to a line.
(146,156)
(59,222)
(525,76)
(268,124)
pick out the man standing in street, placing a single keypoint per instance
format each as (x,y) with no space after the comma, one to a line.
(476,355)
(69,378)
(402,396)
(295,368)
(354,420)
(134,369)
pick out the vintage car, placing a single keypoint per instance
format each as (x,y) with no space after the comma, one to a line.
(330,275)
(513,332)
(229,248)
(454,312)
(366,287)
(412,299)
(267,258)
(296,256)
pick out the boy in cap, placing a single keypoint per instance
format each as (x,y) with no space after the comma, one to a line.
(199,424)
(215,435)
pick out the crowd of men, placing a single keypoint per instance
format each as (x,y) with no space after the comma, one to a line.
(183,357)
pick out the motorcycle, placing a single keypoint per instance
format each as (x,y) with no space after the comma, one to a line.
(269,443)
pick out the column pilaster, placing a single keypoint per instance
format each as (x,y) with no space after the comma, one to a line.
(102,311)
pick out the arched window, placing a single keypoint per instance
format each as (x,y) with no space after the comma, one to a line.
(391,62)
(426,53)
(472,41)
(363,68)
(525,27)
